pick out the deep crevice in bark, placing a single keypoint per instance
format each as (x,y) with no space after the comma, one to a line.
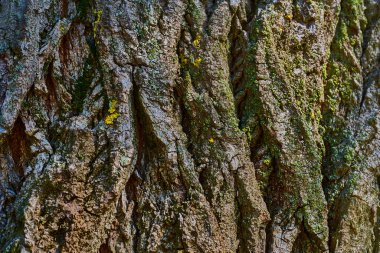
(51,87)
(304,243)
(372,15)
(138,174)
(237,65)
(19,145)
(104,248)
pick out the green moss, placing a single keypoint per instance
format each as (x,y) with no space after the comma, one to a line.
(342,76)
(153,50)
(342,34)
(82,86)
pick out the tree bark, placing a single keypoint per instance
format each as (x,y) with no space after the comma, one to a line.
(190,126)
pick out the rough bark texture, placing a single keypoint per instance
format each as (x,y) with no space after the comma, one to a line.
(190,126)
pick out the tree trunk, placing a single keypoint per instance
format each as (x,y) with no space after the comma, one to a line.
(190,126)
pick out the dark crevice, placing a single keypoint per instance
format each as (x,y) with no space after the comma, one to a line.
(82,86)
(373,15)
(240,71)
(210,8)
(269,202)
(139,132)
(19,145)
(64,226)
(366,85)
(105,248)
(51,87)
(131,189)
(252,7)
(149,146)
(367,81)
(64,48)
(269,238)
(184,118)
(262,159)
(237,65)
(304,242)
(92,69)
(136,179)
(64,8)
(83,7)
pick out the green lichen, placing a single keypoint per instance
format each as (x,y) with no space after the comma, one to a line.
(98,16)
(248,132)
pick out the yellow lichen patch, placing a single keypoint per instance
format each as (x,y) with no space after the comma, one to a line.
(112,106)
(197,41)
(62,28)
(110,118)
(289,16)
(312,115)
(211,140)
(113,114)
(197,62)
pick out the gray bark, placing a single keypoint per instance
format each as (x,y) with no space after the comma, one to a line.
(190,126)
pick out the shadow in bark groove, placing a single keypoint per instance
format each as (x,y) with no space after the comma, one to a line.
(51,87)
(20,147)
(104,248)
